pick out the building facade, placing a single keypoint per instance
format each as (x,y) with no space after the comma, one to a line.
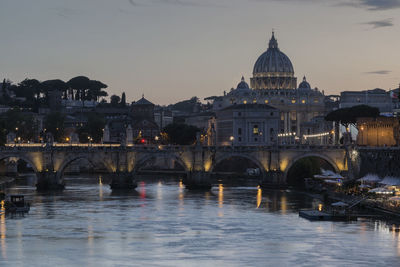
(246,125)
(380,131)
(378,98)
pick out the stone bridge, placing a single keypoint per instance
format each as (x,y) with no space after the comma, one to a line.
(50,161)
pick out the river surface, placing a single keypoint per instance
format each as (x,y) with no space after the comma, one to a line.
(162,224)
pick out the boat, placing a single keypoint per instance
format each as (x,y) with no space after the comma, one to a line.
(337,212)
(16,203)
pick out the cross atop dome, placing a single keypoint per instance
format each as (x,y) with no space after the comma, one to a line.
(273,43)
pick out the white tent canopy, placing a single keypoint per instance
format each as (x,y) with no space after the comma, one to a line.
(326,174)
(370,178)
(390,180)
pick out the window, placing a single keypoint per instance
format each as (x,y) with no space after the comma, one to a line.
(303,101)
(239,114)
(245,102)
(293,101)
(272,114)
(254,101)
(240,139)
(255,139)
(255,130)
(266,101)
(293,115)
(239,131)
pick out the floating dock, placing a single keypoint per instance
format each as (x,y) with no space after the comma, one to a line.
(316,215)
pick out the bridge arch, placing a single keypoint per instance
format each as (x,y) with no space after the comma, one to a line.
(66,162)
(142,160)
(254,160)
(310,155)
(35,168)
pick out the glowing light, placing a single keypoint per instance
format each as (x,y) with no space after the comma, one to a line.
(316,135)
(283,205)
(220,200)
(259,197)
(245,102)
(221,195)
(320,206)
(231,138)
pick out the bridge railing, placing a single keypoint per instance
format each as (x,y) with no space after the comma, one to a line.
(149,148)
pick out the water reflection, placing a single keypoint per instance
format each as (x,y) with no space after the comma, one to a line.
(100,188)
(3,230)
(220,200)
(259,197)
(165,223)
(181,195)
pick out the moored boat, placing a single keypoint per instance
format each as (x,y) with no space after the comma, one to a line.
(16,203)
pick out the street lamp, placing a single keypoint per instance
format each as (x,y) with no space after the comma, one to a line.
(231,139)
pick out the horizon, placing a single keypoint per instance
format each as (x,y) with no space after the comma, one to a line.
(173,50)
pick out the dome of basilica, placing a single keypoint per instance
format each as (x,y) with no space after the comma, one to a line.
(273,60)
(242,84)
(304,84)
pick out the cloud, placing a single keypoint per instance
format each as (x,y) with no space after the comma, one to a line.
(372,4)
(379,72)
(380,23)
(188,3)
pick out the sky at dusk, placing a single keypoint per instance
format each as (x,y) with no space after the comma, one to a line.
(171,50)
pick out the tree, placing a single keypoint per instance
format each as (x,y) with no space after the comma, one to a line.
(123,99)
(51,85)
(181,134)
(54,124)
(93,129)
(16,121)
(347,116)
(95,90)
(115,100)
(79,84)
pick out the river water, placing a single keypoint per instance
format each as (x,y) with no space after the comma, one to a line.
(162,224)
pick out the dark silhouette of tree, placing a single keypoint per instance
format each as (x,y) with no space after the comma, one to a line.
(115,100)
(95,90)
(123,99)
(19,122)
(93,129)
(181,134)
(80,84)
(54,123)
(51,85)
(347,116)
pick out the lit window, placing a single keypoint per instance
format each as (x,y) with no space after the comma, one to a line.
(255,130)
(303,101)
(316,100)
(266,101)
(245,102)
(293,101)
(255,101)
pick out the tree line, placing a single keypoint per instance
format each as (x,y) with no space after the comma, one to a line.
(36,93)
